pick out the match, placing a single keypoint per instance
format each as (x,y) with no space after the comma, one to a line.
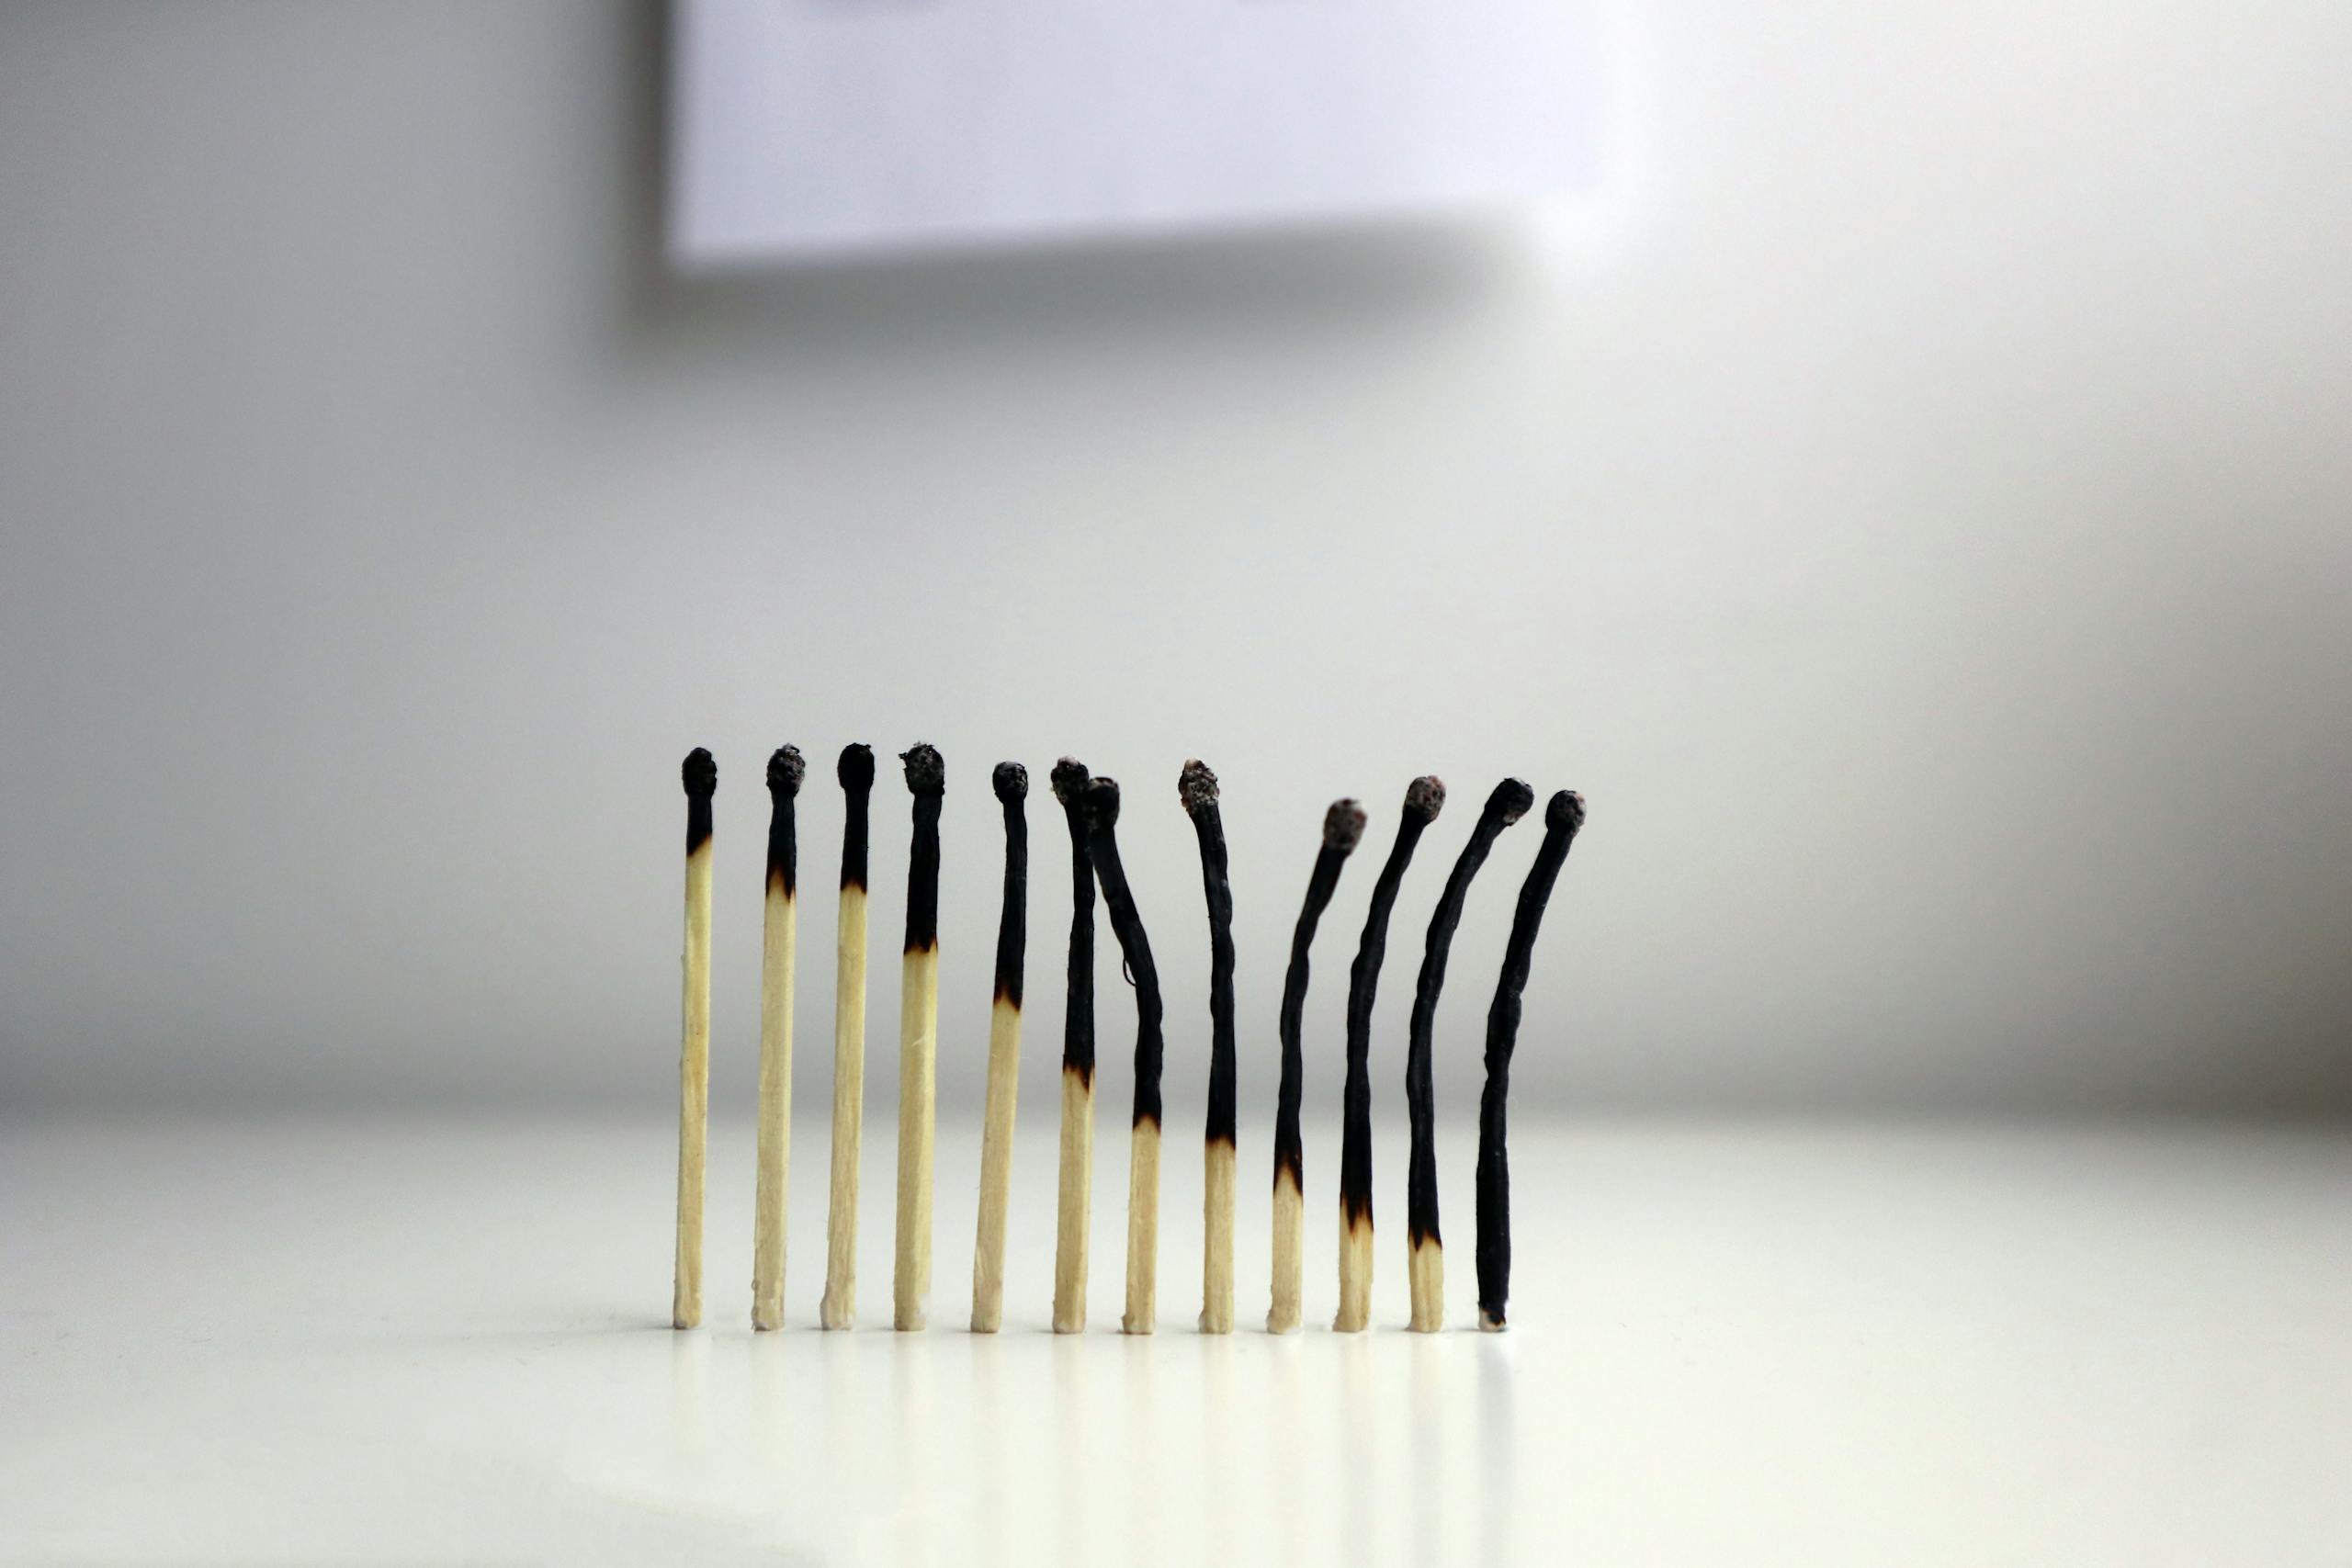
(1197,787)
(1562,820)
(839,1308)
(700,773)
(1011,783)
(918,1040)
(1143,1157)
(1342,828)
(785,768)
(1424,799)
(1075,1200)
(1425,1262)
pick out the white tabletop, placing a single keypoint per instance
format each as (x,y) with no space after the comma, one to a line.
(378,1342)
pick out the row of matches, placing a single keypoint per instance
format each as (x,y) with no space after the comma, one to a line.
(1091,806)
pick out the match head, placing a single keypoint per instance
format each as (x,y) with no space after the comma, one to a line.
(1343,826)
(1511,800)
(1425,797)
(701,775)
(856,770)
(1566,811)
(1069,776)
(1012,781)
(1196,786)
(926,768)
(1102,802)
(787,768)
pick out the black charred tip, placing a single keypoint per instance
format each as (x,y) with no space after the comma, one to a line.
(1102,802)
(1511,799)
(926,768)
(1012,781)
(787,768)
(1068,779)
(856,770)
(1343,826)
(1196,786)
(1567,811)
(700,772)
(1425,796)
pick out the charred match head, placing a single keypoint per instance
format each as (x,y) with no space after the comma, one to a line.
(700,775)
(1424,799)
(1565,812)
(856,770)
(1102,802)
(1068,779)
(1010,782)
(927,782)
(1510,801)
(1343,826)
(926,770)
(787,767)
(1196,786)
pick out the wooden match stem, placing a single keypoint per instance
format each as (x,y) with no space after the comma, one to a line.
(1197,788)
(701,777)
(778,939)
(1011,783)
(1143,1154)
(918,1047)
(1342,828)
(1074,1201)
(839,1308)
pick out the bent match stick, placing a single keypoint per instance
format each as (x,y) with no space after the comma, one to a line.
(1143,1152)
(1562,819)
(1074,1203)
(1425,1262)
(1011,783)
(1197,787)
(700,775)
(785,770)
(918,1040)
(1424,799)
(1342,827)
(839,1308)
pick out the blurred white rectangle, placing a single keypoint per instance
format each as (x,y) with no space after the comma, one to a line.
(826,126)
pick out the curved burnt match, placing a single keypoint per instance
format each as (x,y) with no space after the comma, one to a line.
(1143,1163)
(699,773)
(779,932)
(918,1040)
(1074,1202)
(1343,831)
(1562,818)
(1010,781)
(1424,799)
(1197,788)
(1426,1260)
(839,1308)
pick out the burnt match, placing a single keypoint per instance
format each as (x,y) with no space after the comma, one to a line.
(1424,799)
(1197,787)
(1075,1200)
(700,775)
(1143,1154)
(1562,820)
(778,934)
(1011,783)
(1425,1263)
(839,1308)
(917,1039)
(1342,828)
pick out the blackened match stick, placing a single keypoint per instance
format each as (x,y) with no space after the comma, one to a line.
(1197,787)
(1143,1154)
(1343,830)
(918,1040)
(839,1309)
(1562,820)
(778,935)
(1011,783)
(1425,1261)
(1074,1202)
(700,775)
(1424,799)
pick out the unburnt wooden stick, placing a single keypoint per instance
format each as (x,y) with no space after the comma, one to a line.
(1562,820)
(1425,1262)
(1342,828)
(1011,784)
(839,1308)
(778,938)
(918,1041)
(700,775)
(1424,799)
(1197,788)
(1143,1154)
(1074,1201)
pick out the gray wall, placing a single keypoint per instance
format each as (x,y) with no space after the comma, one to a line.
(1911,501)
